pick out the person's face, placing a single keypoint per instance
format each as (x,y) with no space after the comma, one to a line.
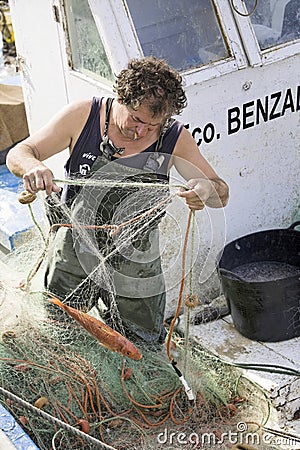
(137,124)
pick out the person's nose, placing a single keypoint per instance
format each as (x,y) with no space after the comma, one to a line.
(141,129)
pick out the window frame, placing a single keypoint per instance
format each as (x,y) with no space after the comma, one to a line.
(256,55)
(119,37)
(231,37)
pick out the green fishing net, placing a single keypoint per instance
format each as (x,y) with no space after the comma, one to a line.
(67,390)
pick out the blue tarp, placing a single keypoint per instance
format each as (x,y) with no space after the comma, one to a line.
(8,180)
(15,218)
(14,431)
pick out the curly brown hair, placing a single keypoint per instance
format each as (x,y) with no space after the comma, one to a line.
(153,82)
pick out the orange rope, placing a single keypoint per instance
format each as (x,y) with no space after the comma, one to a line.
(134,402)
(184,250)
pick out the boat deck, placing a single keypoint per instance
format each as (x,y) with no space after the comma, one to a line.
(222,339)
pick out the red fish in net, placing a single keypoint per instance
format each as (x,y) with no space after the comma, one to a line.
(107,337)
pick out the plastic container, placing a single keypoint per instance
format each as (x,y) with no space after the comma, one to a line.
(264,310)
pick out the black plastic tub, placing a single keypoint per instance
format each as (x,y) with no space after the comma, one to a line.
(260,278)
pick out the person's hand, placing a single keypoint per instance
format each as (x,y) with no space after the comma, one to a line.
(197,193)
(40,178)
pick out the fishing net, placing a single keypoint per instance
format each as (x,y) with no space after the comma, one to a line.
(66,389)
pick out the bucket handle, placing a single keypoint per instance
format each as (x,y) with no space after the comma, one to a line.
(230,274)
(294,225)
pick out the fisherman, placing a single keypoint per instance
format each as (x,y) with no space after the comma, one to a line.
(134,131)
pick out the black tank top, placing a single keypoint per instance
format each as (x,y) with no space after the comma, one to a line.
(86,151)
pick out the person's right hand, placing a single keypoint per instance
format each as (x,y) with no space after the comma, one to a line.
(40,178)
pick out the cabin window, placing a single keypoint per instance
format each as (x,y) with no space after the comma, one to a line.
(185,36)
(275,22)
(87,50)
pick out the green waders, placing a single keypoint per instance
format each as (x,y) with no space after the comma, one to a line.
(74,268)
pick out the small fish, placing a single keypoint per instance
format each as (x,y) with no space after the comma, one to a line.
(107,337)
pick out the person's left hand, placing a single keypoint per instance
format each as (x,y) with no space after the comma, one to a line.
(197,193)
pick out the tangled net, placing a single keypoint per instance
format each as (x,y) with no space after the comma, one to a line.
(67,391)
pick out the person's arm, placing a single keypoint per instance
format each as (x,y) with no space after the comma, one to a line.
(25,159)
(206,187)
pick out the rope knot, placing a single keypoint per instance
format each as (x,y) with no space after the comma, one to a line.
(191,301)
